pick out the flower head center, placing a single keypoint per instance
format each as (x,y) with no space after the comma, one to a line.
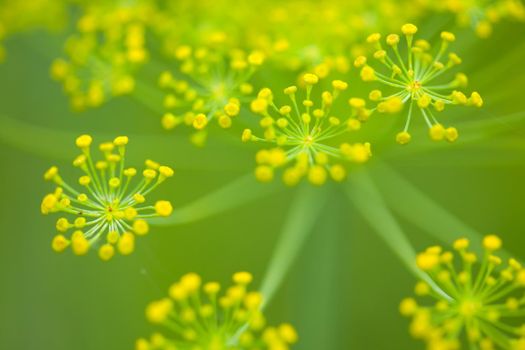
(414,86)
(469,308)
(308,140)
(218,91)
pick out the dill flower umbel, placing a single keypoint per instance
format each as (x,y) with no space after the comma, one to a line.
(210,85)
(105,51)
(197,316)
(110,210)
(305,135)
(478,302)
(416,78)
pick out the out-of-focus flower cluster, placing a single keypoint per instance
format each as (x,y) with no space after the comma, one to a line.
(201,62)
(109,44)
(206,52)
(109,39)
(294,34)
(209,84)
(481,15)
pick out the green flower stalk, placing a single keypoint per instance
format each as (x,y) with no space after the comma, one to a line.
(305,137)
(109,211)
(475,302)
(197,316)
(210,85)
(417,79)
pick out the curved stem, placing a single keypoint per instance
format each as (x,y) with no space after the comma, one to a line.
(472,132)
(319,271)
(302,216)
(59,144)
(242,190)
(365,196)
(149,96)
(361,191)
(35,139)
(430,216)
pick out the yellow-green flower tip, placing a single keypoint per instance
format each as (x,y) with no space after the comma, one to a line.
(368,73)
(403,137)
(83,141)
(409,29)
(163,208)
(492,242)
(140,227)
(243,278)
(158,311)
(373,38)
(256,58)
(121,141)
(310,79)
(392,39)
(448,36)
(246,135)
(166,171)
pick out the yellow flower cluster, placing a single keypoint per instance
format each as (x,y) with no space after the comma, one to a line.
(415,75)
(329,31)
(207,23)
(209,84)
(111,209)
(109,45)
(478,302)
(305,135)
(482,15)
(197,316)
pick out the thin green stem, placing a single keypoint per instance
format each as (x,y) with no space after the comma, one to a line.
(403,197)
(58,145)
(365,196)
(362,192)
(302,216)
(242,190)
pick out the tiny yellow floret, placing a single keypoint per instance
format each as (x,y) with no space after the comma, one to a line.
(310,79)
(121,141)
(492,242)
(84,141)
(409,29)
(163,208)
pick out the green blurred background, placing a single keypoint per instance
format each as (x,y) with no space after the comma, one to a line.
(343,290)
